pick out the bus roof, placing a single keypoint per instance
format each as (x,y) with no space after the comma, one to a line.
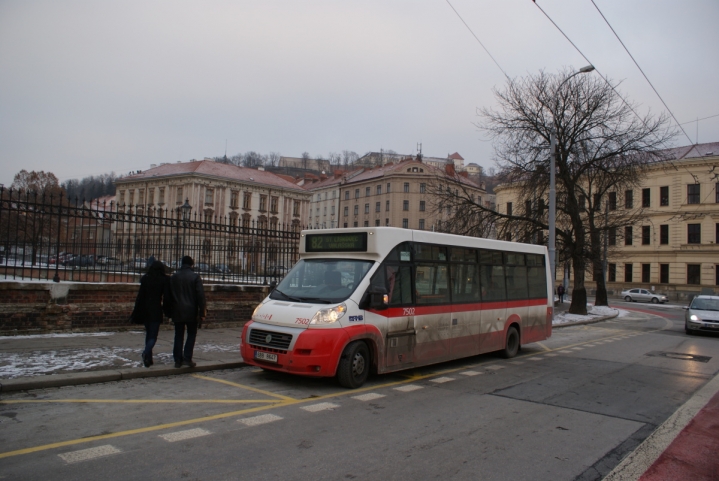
(381,240)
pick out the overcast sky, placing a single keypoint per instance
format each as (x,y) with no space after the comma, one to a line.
(91,87)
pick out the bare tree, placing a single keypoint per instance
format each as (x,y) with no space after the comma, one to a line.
(603,147)
(305,159)
(349,158)
(273,159)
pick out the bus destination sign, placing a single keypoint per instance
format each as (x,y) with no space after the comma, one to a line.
(350,242)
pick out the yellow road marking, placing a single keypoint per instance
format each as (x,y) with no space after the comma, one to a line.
(543,346)
(145,401)
(137,431)
(230,383)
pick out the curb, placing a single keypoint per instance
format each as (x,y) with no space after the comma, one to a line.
(588,321)
(94,377)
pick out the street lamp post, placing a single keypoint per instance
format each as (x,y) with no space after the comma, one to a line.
(186,208)
(553,148)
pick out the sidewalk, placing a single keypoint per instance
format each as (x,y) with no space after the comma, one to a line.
(54,360)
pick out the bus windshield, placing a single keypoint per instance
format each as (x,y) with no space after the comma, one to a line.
(323,281)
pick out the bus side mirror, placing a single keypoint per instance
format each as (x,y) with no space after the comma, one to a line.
(378,298)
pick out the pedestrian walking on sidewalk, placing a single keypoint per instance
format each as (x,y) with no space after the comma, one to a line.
(152,300)
(560,293)
(188,310)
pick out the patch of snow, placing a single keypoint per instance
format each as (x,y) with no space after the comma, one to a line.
(592,313)
(71,334)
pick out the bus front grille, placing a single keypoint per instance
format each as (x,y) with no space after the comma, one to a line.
(275,340)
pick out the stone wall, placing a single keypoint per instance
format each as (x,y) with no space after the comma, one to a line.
(39,307)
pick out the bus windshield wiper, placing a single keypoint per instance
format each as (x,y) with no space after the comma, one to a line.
(317,299)
(289,298)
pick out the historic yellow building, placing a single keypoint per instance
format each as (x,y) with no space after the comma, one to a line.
(675,249)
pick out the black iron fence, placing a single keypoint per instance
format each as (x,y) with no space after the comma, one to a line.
(48,237)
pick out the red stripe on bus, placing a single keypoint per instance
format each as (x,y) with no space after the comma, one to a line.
(467,307)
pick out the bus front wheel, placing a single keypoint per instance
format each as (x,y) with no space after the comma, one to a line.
(354,365)
(511,347)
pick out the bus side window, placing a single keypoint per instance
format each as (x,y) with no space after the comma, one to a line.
(431,282)
(398,282)
(465,283)
(493,287)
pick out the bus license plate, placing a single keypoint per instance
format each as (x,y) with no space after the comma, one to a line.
(265,356)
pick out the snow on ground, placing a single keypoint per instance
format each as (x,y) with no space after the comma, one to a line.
(593,312)
(36,363)
(59,334)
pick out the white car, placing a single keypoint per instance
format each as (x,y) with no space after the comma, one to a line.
(644,295)
(702,314)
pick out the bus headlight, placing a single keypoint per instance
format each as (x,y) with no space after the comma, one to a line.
(329,315)
(256,309)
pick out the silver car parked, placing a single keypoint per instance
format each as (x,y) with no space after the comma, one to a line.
(644,295)
(702,315)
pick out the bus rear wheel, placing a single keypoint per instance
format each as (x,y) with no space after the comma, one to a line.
(511,346)
(354,365)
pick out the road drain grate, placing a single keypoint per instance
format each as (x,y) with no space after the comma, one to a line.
(681,356)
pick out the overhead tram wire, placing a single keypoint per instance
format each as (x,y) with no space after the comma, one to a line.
(697,120)
(477,39)
(642,71)
(592,63)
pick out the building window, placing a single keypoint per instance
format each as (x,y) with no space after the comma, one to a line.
(389,188)
(377,206)
(693,194)
(612,236)
(646,197)
(345,225)
(354,224)
(612,201)
(628,272)
(150,196)
(422,206)
(367,192)
(694,274)
(325,211)
(406,187)
(629,199)
(366,208)
(366,223)
(263,203)
(628,235)
(509,208)
(664,273)
(347,211)
(386,206)
(347,195)
(376,222)
(296,208)
(319,197)
(423,189)
(612,273)
(356,193)
(716,272)
(179,195)
(421,224)
(582,203)
(716,240)
(234,200)
(646,270)
(247,200)
(664,234)
(664,196)
(694,233)
(161,199)
(645,235)
(274,204)
(141,194)
(405,223)
(356,210)
(405,205)
(386,222)
(379,189)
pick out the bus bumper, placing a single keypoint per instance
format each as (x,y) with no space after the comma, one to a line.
(316,352)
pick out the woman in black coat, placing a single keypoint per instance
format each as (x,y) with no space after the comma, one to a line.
(153,299)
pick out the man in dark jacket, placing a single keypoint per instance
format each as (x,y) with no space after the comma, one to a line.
(188,310)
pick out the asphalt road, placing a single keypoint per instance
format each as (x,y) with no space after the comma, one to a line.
(567,408)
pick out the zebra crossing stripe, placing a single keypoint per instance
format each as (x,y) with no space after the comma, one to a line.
(88,454)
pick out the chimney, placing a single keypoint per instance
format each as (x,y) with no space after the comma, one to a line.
(464,174)
(449,169)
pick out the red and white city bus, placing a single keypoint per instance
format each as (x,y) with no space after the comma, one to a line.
(387,299)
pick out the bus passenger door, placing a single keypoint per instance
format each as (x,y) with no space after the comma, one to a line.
(494,307)
(401,337)
(433,316)
(465,310)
